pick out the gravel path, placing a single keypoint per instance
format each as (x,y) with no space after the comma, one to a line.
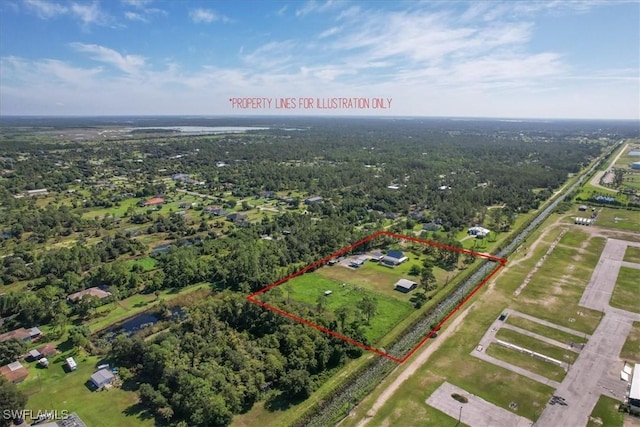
(412,366)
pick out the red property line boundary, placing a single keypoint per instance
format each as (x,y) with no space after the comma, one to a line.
(253,297)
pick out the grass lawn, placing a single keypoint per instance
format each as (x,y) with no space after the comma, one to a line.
(147,263)
(54,389)
(311,286)
(523,360)
(630,351)
(619,218)
(371,276)
(536,345)
(606,413)
(544,330)
(632,254)
(625,294)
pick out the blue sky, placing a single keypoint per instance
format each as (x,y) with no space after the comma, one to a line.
(532,59)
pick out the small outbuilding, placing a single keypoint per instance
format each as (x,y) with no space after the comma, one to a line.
(404,285)
(71,364)
(102,378)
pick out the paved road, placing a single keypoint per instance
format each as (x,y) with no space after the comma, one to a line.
(595,181)
(476,412)
(596,371)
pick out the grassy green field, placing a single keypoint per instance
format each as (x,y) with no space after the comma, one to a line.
(630,351)
(554,292)
(536,345)
(605,414)
(310,287)
(524,360)
(545,331)
(371,276)
(54,389)
(625,294)
(147,263)
(619,218)
(632,254)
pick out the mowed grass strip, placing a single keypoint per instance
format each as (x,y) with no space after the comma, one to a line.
(625,294)
(536,345)
(544,330)
(605,413)
(619,218)
(309,287)
(632,254)
(525,361)
(630,351)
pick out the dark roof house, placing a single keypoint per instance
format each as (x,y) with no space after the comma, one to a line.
(311,200)
(237,217)
(394,258)
(102,378)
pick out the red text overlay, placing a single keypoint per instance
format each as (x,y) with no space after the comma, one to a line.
(338,103)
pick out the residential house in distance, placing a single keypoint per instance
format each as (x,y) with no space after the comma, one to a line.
(154,201)
(14,372)
(102,378)
(95,291)
(214,210)
(38,192)
(185,205)
(237,217)
(22,334)
(479,232)
(394,258)
(404,285)
(47,350)
(312,200)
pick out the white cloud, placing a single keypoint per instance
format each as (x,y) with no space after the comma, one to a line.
(140,4)
(129,64)
(329,32)
(206,16)
(314,6)
(88,13)
(133,16)
(45,9)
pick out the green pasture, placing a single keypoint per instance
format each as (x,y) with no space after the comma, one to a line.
(536,345)
(605,413)
(147,263)
(625,294)
(308,288)
(622,219)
